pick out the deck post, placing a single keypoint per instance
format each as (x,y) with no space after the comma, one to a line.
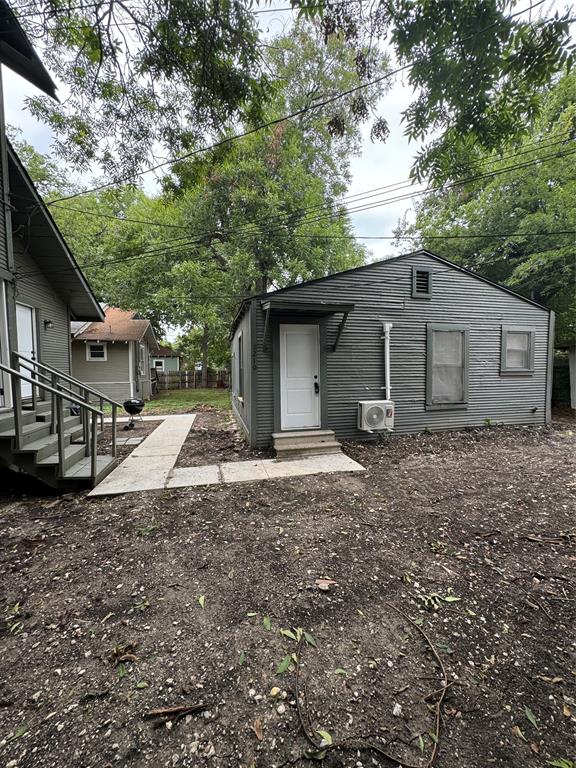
(93,458)
(114,430)
(60,422)
(17,407)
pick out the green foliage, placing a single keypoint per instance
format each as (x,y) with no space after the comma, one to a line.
(526,203)
(476,67)
(262,213)
(162,74)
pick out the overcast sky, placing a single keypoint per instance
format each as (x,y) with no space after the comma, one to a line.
(378,165)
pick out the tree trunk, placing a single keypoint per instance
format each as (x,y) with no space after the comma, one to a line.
(205,358)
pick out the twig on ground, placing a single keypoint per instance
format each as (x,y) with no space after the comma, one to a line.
(442,690)
(174,714)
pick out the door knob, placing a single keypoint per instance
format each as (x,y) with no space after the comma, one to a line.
(316,387)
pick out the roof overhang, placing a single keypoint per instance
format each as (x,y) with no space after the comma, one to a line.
(294,306)
(17,52)
(46,245)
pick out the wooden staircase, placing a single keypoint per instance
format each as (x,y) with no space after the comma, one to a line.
(55,439)
(305,442)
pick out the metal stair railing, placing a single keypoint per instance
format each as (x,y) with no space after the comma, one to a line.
(86,390)
(58,398)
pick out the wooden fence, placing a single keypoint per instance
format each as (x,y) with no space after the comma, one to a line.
(191,379)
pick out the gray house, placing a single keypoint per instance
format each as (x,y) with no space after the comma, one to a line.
(114,356)
(166,360)
(401,345)
(48,427)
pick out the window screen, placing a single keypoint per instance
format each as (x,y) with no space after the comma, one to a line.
(517,349)
(447,380)
(421,283)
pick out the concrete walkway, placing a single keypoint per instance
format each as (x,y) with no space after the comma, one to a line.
(151,465)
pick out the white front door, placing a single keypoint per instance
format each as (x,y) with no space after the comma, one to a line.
(299,376)
(26,332)
(4,356)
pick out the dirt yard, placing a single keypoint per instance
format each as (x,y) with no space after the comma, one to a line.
(214,438)
(437,591)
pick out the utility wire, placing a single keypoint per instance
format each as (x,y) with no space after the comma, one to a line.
(315,105)
(372,192)
(188,242)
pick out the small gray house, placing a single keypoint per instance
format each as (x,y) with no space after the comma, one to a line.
(407,344)
(166,360)
(114,356)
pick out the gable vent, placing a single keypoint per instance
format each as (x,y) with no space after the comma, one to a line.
(421,283)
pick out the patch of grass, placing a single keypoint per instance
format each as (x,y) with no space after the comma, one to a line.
(184,401)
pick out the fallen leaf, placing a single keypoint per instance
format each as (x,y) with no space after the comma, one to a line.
(566,711)
(142,684)
(284,664)
(516,730)
(267,623)
(288,633)
(241,658)
(257,728)
(530,716)
(326,738)
(202,600)
(340,671)
(324,584)
(534,747)
(310,640)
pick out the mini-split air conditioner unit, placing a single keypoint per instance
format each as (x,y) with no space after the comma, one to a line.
(376,415)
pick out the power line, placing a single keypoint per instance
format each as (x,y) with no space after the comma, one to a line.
(297,113)
(188,242)
(364,195)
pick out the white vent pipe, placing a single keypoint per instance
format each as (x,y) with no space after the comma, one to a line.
(386,328)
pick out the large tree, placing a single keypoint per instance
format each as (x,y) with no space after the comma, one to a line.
(142,80)
(515,213)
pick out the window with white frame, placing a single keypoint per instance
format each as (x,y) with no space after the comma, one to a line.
(517,354)
(97,352)
(159,365)
(447,365)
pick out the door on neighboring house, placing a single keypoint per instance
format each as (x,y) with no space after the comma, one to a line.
(4,356)
(26,332)
(299,376)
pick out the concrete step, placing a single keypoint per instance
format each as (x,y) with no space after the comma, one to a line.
(300,443)
(283,438)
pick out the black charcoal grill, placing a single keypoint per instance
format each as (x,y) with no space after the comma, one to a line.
(133,408)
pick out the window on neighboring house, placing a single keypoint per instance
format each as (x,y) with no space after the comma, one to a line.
(517,354)
(96,352)
(159,365)
(421,283)
(141,369)
(240,364)
(447,365)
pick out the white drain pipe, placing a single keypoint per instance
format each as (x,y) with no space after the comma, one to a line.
(386,327)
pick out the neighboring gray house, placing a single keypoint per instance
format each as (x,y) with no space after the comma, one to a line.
(166,360)
(114,356)
(448,349)
(46,428)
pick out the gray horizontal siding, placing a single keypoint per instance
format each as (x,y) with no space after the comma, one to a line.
(242,408)
(356,370)
(35,290)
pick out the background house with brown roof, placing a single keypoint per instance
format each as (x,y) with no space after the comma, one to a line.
(166,360)
(115,356)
